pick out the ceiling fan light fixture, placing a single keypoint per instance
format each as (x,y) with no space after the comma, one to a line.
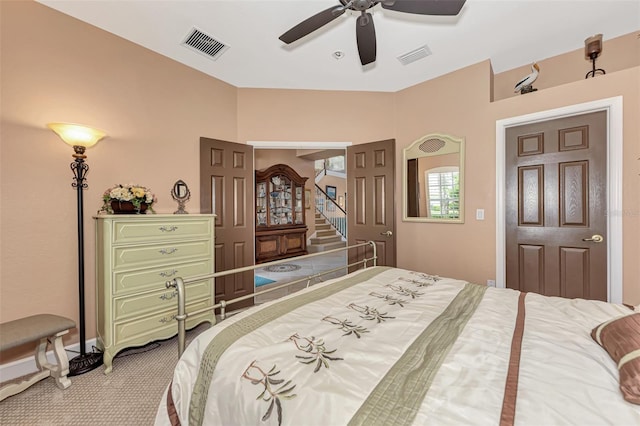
(365,29)
(415,55)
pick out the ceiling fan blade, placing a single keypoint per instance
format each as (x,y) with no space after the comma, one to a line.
(425,7)
(366,38)
(311,24)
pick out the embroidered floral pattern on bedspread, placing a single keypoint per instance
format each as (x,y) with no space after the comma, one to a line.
(227,336)
(316,349)
(316,353)
(389,299)
(369,313)
(275,390)
(349,328)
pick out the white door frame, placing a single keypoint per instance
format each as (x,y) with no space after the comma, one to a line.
(613,107)
(298,145)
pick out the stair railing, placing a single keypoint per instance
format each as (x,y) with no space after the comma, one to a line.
(320,173)
(331,211)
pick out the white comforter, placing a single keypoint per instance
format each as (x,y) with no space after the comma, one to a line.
(341,359)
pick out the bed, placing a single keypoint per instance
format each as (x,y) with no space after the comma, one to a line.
(384,346)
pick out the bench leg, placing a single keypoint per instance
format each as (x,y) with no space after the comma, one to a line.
(60,370)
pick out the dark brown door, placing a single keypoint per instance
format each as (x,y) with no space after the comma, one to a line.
(556,229)
(226,189)
(370,199)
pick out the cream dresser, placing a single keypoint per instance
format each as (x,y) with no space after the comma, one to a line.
(136,255)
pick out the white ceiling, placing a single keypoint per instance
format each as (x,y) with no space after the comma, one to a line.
(510,33)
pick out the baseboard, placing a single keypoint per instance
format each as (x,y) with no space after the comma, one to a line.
(24,366)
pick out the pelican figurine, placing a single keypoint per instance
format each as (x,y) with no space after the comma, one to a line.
(524,85)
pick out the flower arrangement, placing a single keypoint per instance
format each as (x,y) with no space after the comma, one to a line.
(139,196)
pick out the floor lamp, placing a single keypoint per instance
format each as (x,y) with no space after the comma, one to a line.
(80,138)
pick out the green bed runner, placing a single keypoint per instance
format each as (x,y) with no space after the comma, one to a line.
(230,334)
(397,398)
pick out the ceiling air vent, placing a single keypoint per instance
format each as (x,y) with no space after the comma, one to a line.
(205,44)
(414,55)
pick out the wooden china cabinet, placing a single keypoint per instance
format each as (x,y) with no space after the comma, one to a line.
(281,231)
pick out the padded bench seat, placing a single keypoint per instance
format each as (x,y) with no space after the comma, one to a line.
(38,328)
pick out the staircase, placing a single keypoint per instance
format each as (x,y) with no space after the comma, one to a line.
(325,237)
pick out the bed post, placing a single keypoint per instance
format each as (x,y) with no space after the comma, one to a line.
(178,284)
(375,254)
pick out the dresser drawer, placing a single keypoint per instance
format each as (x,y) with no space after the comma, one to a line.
(128,257)
(134,281)
(157,301)
(156,325)
(149,230)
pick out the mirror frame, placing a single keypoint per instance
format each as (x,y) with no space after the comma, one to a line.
(180,199)
(451,145)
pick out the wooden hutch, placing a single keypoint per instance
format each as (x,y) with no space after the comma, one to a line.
(281,231)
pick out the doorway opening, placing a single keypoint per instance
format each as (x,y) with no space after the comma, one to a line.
(314,161)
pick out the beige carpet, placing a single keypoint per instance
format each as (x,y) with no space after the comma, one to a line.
(130,395)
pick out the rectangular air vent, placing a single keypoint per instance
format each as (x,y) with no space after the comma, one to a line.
(205,44)
(414,55)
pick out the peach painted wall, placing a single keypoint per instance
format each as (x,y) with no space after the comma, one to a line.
(340,184)
(316,116)
(624,83)
(56,68)
(470,252)
(155,110)
(457,105)
(618,54)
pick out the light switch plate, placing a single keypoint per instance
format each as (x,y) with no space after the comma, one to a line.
(479,214)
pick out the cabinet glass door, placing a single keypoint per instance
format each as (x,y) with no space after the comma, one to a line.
(298,205)
(280,201)
(261,204)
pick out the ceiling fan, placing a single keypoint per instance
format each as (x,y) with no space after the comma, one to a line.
(365,30)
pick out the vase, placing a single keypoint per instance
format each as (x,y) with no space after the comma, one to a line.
(127,207)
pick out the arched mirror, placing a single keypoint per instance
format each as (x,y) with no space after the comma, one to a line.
(433,180)
(180,193)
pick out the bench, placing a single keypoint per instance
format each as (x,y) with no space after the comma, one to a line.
(41,329)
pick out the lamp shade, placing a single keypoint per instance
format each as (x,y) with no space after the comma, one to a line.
(593,46)
(76,134)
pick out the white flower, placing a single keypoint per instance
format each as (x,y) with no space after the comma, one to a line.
(136,194)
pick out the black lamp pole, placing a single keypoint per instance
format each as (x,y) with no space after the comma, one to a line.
(84,362)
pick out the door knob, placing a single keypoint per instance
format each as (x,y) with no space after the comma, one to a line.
(595,238)
(387,234)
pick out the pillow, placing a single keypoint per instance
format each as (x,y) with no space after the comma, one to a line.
(620,337)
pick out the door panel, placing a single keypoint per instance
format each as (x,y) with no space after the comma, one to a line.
(370,199)
(555,200)
(226,189)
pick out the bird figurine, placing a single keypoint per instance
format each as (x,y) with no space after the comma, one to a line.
(524,85)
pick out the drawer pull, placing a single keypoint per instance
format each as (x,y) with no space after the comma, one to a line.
(169,296)
(168,228)
(165,320)
(168,251)
(168,274)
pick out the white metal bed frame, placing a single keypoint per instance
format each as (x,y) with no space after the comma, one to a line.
(179,284)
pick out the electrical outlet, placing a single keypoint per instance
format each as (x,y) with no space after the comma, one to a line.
(491,283)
